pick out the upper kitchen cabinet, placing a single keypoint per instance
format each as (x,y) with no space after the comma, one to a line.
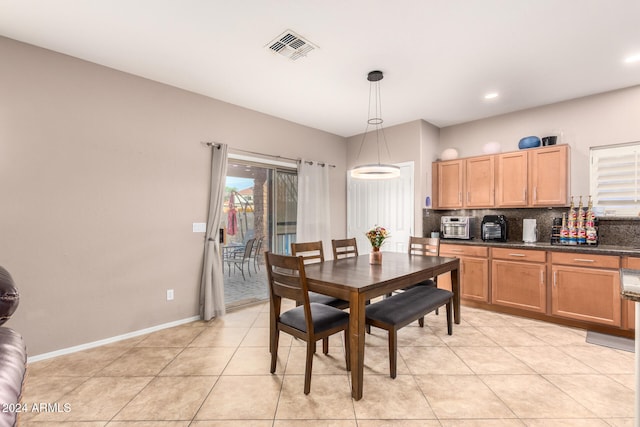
(536,177)
(448,184)
(464,183)
(549,176)
(480,179)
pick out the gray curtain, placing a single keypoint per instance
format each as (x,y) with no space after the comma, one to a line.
(212,282)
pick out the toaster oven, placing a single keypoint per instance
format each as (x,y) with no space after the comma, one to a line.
(457,227)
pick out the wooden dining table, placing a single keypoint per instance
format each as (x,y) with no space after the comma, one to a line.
(357,281)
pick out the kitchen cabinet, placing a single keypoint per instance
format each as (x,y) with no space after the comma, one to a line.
(511,179)
(448,184)
(586,287)
(518,279)
(548,175)
(480,182)
(536,177)
(628,306)
(474,270)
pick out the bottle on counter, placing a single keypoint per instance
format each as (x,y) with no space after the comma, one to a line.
(590,225)
(564,231)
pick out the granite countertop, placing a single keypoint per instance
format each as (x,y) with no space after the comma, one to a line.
(546,246)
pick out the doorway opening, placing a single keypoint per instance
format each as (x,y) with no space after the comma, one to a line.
(260,207)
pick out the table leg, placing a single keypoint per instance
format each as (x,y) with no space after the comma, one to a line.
(356,336)
(455,288)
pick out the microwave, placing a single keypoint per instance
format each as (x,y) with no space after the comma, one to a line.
(457,227)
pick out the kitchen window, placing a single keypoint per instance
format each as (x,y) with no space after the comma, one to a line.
(614,179)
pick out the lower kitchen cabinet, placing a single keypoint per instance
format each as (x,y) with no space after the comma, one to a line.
(474,270)
(518,279)
(590,294)
(628,306)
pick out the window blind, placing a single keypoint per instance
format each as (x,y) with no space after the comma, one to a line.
(614,179)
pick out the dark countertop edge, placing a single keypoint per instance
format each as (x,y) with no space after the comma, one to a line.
(544,246)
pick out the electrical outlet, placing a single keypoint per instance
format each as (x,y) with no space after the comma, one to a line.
(169,294)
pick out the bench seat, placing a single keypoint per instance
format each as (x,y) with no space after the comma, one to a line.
(401,309)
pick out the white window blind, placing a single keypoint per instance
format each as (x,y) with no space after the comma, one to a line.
(615,179)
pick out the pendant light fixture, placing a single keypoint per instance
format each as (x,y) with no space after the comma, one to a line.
(375,170)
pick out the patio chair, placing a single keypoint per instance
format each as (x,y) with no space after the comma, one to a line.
(310,321)
(241,258)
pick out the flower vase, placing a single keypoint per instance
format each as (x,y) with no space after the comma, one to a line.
(375,257)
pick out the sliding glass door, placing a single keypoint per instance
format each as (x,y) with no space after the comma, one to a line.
(259,215)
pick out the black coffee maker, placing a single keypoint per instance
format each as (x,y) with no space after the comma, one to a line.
(494,228)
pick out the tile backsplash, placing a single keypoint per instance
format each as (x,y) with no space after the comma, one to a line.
(611,231)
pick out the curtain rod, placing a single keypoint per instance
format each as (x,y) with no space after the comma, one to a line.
(217,145)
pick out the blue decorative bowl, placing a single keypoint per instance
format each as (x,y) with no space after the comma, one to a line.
(529,142)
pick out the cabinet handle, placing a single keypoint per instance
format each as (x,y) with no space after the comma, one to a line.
(455,250)
(555,279)
(521,255)
(583,260)
(541,277)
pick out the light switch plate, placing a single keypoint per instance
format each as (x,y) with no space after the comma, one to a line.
(199,227)
(169,294)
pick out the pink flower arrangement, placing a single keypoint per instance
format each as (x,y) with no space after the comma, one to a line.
(377,236)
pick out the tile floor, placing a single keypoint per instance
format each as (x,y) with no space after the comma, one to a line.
(496,370)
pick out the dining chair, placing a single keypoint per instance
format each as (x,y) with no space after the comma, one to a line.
(239,258)
(344,248)
(310,321)
(312,252)
(401,309)
(425,246)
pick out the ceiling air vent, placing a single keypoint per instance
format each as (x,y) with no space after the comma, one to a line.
(291,45)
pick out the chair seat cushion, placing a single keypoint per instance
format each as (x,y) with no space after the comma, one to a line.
(408,306)
(324,317)
(327,300)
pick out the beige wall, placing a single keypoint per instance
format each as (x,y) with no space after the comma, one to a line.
(413,141)
(609,118)
(101,176)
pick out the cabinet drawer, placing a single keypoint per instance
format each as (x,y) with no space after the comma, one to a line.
(585,260)
(463,250)
(519,254)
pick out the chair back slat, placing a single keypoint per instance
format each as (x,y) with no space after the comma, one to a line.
(344,248)
(287,278)
(425,246)
(311,252)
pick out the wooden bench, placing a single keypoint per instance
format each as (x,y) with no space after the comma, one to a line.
(399,310)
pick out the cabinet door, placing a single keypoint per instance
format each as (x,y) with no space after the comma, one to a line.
(450,183)
(628,306)
(480,176)
(519,284)
(474,279)
(511,179)
(548,176)
(587,294)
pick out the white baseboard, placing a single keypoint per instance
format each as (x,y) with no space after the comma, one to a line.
(111,340)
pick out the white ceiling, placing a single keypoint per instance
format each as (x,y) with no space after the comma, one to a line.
(439,57)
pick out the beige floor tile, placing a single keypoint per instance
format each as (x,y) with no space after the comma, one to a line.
(486,422)
(485,318)
(63,423)
(330,398)
(148,424)
(262,320)
(220,337)
(81,364)
(332,363)
(461,396)
(179,336)
(510,336)
(392,399)
(433,360)
(620,422)
(317,423)
(627,380)
(399,423)
(415,336)
(491,360)
(198,361)
(232,423)
(48,389)
(549,360)
(168,399)
(603,359)
(467,336)
(579,422)
(558,335)
(141,362)
(376,362)
(97,399)
(602,395)
(254,361)
(259,337)
(532,396)
(242,398)
(238,319)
